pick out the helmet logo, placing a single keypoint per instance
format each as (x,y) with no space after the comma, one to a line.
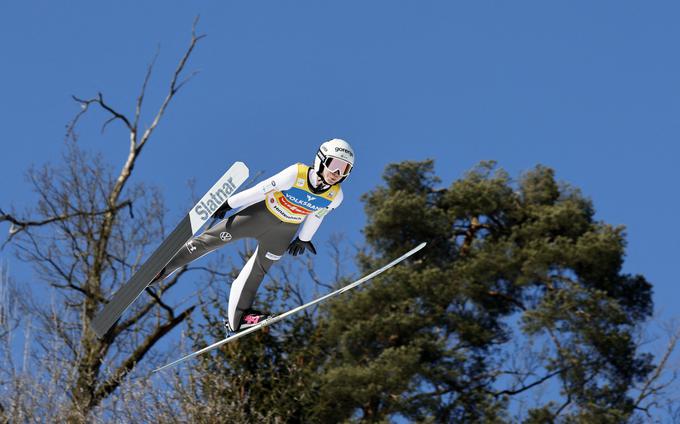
(343,150)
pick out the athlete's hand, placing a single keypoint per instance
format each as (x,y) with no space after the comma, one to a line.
(219,213)
(297,247)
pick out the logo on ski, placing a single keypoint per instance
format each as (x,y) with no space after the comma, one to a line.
(212,201)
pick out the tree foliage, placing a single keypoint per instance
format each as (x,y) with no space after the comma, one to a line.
(500,252)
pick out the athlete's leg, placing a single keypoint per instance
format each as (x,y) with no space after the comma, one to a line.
(272,246)
(244,224)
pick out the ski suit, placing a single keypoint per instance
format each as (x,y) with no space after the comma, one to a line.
(273,212)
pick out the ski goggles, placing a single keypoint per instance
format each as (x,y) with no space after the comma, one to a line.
(338,166)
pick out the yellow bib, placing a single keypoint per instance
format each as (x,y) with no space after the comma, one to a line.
(293,205)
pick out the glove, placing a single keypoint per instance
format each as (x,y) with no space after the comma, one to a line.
(219,213)
(297,247)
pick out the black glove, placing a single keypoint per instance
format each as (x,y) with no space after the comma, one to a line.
(219,213)
(298,247)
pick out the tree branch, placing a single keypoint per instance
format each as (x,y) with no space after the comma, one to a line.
(19,225)
(648,390)
(140,98)
(114,381)
(174,86)
(116,115)
(119,328)
(529,386)
(160,303)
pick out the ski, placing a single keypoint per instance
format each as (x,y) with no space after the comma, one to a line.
(276,318)
(187,228)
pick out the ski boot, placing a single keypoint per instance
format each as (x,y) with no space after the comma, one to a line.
(249,318)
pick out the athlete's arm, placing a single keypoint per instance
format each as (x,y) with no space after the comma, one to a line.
(313,221)
(281,181)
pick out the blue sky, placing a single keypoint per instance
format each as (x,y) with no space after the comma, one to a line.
(591,89)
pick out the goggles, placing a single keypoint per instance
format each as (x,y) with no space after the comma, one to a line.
(338,166)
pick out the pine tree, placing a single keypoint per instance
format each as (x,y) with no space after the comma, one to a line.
(429,341)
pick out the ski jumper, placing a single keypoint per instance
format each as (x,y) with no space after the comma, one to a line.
(273,212)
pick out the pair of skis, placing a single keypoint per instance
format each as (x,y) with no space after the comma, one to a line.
(227,185)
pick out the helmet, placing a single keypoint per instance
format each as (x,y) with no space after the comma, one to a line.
(337,155)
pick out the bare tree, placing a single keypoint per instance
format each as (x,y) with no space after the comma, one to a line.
(84,241)
(657,396)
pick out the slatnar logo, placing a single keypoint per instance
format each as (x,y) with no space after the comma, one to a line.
(206,207)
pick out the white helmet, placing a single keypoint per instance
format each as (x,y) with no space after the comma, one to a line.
(337,155)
